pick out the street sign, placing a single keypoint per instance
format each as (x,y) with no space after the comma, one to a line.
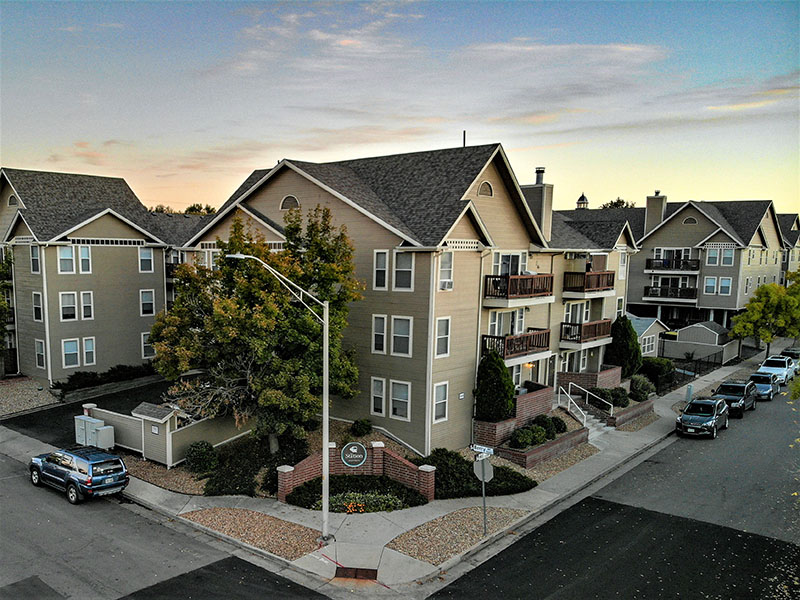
(354,454)
(483,470)
(479,448)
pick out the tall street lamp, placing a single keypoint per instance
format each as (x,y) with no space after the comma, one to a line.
(299,293)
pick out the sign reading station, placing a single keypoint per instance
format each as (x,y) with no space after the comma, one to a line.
(354,454)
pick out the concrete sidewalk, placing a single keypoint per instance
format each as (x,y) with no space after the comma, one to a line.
(361,539)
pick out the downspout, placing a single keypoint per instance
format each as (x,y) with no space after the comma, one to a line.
(16,301)
(429,361)
(48,358)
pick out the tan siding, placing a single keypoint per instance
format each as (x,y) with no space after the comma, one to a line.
(214,431)
(127,429)
(108,226)
(222,229)
(464,230)
(28,330)
(7,212)
(499,213)
(155,445)
(20,230)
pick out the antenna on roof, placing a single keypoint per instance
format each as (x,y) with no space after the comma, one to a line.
(465,138)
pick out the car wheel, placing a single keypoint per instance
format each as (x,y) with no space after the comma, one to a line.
(755,403)
(36,477)
(72,494)
(714,432)
(741,413)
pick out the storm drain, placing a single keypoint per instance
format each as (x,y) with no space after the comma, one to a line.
(355,573)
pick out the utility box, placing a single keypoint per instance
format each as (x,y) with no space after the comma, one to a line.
(104,437)
(85,430)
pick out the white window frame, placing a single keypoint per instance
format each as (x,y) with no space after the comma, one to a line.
(709,254)
(394,271)
(584,360)
(141,303)
(38,259)
(61,305)
(285,198)
(410,335)
(385,336)
(620,306)
(446,401)
(70,258)
(392,383)
(87,363)
(516,376)
(373,395)
(37,354)
(446,337)
(730,286)
(446,283)
(80,260)
(648,344)
(90,304)
(40,307)
(705,286)
(77,353)
(151,259)
(375,285)
(147,343)
(13,200)
(623,264)
(722,257)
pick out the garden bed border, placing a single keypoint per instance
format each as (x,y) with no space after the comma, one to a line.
(530,457)
(527,408)
(625,415)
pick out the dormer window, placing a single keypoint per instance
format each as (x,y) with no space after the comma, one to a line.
(12,200)
(690,221)
(289,202)
(485,189)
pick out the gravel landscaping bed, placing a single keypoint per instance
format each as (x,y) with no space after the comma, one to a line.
(177,479)
(22,393)
(279,537)
(639,422)
(436,541)
(340,433)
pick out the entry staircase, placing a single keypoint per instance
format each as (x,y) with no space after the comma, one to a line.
(593,418)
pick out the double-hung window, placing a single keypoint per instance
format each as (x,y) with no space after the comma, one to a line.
(446,271)
(620,306)
(402,334)
(85,255)
(35,264)
(727,257)
(145,260)
(403,271)
(87,306)
(623,264)
(66,259)
(70,356)
(88,351)
(710,286)
(725,286)
(440,393)
(147,305)
(37,306)
(380,269)
(378,402)
(442,337)
(400,400)
(39,351)
(68,302)
(147,349)
(379,334)
(712,257)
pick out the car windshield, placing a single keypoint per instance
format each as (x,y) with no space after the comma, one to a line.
(703,410)
(760,378)
(775,363)
(107,467)
(731,390)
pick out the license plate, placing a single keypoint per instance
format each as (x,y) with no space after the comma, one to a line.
(690,429)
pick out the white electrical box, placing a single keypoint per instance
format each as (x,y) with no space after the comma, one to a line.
(105,437)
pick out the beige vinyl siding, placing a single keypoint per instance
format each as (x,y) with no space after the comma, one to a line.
(109,226)
(699,334)
(499,213)
(155,445)
(127,429)
(6,212)
(28,330)
(222,229)
(213,431)
(20,230)
(766,270)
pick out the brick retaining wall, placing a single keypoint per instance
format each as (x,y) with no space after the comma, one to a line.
(380,461)
(609,377)
(623,415)
(552,449)
(528,407)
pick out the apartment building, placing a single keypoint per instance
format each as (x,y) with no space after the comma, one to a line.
(88,274)
(790,230)
(698,261)
(457,260)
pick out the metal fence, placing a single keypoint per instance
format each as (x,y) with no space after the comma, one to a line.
(687,371)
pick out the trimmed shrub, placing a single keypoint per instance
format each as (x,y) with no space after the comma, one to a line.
(641,388)
(616,396)
(361,427)
(201,457)
(237,466)
(85,379)
(494,396)
(308,494)
(521,438)
(619,397)
(559,424)
(660,371)
(538,435)
(361,502)
(455,478)
(291,451)
(546,423)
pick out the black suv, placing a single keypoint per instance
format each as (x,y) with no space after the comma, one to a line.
(738,395)
(81,472)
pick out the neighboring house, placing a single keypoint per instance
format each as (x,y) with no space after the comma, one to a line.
(88,274)
(648,330)
(790,228)
(700,340)
(698,261)
(455,264)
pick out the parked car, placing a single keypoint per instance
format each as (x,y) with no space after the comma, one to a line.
(738,395)
(80,471)
(794,354)
(766,385)
(703,416)
(782,366)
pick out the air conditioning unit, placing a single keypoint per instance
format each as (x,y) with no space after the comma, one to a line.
(446,284)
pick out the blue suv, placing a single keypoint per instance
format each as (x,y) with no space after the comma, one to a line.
(81,471)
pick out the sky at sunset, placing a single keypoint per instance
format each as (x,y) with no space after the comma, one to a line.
(184,99)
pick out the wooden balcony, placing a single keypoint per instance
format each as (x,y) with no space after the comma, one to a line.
(593,281)
(169,270)
(670,293)
(511,346)
(585,332)
(672,264)
(509,287)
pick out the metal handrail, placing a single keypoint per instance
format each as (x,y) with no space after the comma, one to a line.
(588,393)
(570,404)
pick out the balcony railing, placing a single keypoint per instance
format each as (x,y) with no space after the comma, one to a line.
(510,346)
(594,281)
(672,264)
(508,287)
(585,332)
(169,270)
(679,293)
(10,317)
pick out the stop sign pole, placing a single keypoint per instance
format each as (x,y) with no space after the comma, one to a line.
(484,474)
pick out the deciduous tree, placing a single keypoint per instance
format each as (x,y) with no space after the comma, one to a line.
(769,313)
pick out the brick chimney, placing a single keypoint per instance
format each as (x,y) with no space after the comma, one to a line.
(544,216)
(654,211)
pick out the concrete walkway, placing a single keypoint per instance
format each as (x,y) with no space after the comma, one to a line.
(360,539)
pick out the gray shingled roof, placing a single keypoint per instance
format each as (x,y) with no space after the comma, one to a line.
(634,217)
(591,235)
(176,228)
(57,202)
(152,411)
(786,221)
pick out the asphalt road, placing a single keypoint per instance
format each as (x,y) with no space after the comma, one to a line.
(103,550)
(700,519)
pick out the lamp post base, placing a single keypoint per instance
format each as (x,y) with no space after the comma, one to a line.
(326,540)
